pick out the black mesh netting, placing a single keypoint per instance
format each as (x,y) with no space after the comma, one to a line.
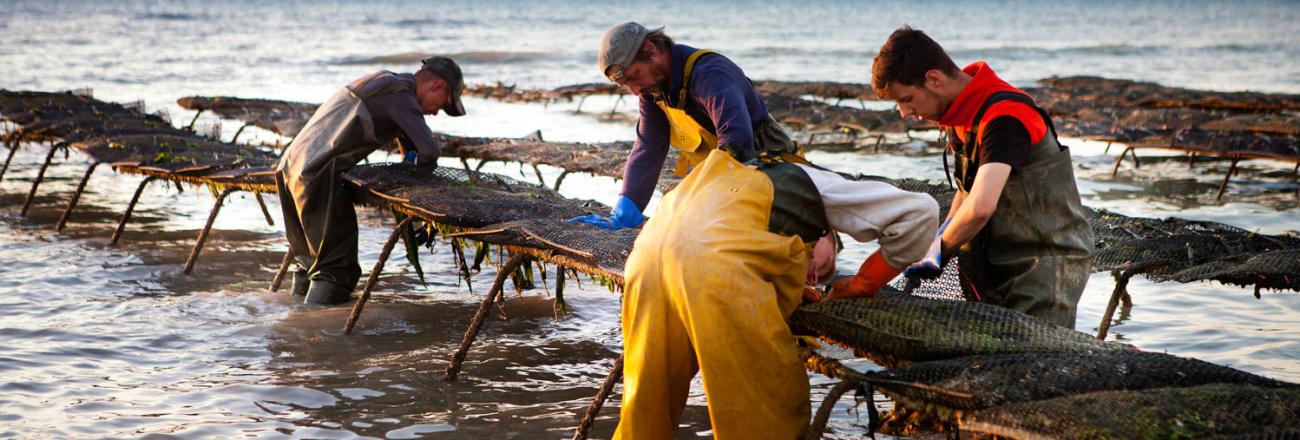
(894,330)
(176,154)
(984,381)
(1269,270)
(1238,124)
(134,141)
(465,199)
(281,117)
(603,159)
(600,249)
(1162,257)
(1163,413)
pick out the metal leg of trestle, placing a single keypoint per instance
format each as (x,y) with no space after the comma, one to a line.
(126,216)
(237,132)
(1226,177)
(31,195)
(13,148)
(63,219)
(538,172)
(589,417)
(279,272)
(374,274)
(1295,178)
(1121,290)
(1133,152)
(1119,160)
(823,415)
(265,213)
(207,228)
(476,323)
(1107,151)
(560,179)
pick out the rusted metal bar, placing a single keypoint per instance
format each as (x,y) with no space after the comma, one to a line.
(81,187)
(237,132)
(560,179)
(279,272)
(121,225)
(1133,152)
(262,204)
(207,228)
(1226,177)
(606,388)
(818,425)
(14,141)
(477,322)
(374,274)
(1119,160)
(1121,289)
(538,172)
(190,127)
(31,195)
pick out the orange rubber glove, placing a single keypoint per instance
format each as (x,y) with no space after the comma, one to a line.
(874,274)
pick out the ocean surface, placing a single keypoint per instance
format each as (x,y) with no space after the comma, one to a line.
(100,341)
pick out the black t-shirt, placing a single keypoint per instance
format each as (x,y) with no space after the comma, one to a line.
(1006,140)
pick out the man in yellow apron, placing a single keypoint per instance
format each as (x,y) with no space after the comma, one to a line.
(319,220)
(694,100)
(713,276)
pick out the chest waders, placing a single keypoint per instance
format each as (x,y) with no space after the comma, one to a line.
(1034,254)
(320,222)
(694,142)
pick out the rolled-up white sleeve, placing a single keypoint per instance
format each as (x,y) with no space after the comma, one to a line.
(904,222)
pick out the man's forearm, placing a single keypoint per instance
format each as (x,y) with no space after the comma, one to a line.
(970,212)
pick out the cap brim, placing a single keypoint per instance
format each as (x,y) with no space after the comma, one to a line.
(457,108)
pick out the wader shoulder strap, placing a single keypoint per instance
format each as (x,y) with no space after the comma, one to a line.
(1010,96)
(686,75)
(383,90)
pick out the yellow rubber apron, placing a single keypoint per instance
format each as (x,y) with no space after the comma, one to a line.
(709,288)
(694,142)
(688,136)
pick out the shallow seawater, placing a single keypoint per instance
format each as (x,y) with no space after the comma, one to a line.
(100,341)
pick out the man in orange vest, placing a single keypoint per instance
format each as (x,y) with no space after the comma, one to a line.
(1016,220)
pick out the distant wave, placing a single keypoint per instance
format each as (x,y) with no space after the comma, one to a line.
(1089,49)
(790,50)
(1110,49)
(418,22)
(1246,48)
(481,56)
(168,16)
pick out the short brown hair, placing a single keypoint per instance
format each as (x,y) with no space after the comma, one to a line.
(659,39)
(905,58)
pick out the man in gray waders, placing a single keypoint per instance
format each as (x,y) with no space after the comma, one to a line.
(319,220)
(1016,220)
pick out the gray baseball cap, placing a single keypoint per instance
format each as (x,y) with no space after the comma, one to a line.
(620,45)
(447,69)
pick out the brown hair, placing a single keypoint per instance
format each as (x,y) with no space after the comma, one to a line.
(905,58)
(659,39)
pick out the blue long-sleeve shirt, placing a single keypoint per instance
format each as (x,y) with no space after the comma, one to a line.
(721,99)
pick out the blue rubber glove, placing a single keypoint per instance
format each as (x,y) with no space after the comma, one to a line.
(931,265)
(625,215)
(411,157)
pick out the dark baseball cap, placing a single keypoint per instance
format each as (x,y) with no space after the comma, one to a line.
(447,69)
